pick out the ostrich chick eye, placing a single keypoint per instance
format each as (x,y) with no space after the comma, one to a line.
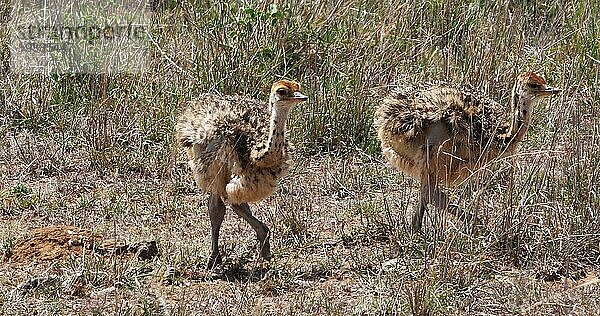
(282,91)
(534,86)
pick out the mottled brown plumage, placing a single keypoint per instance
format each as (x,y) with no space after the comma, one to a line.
(441,134)
(238,150)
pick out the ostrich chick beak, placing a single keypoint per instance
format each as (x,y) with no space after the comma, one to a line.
(548,91)
(299,97)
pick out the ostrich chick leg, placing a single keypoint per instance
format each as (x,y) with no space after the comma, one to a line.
(216,212)
(431,193)
(424,198)
(262,231)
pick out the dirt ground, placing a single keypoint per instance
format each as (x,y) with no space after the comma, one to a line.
(91,244)
(62,242)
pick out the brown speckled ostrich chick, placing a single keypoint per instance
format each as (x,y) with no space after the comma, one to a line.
(237,149)
(441,134)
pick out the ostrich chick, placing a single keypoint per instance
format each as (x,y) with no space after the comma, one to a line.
(237,151)
(441,134)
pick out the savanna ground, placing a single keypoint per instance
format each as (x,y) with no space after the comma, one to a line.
(96,152)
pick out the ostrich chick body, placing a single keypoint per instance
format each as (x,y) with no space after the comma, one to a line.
(441,134)
(238,150)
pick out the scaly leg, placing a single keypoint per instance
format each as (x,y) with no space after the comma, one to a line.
(440,200)
(424,199)
(262,231)
(428,183)
(430,193)
(216,212)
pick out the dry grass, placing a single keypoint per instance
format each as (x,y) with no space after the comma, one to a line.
(96,151)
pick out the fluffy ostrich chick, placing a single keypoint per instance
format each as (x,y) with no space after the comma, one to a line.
(238,150)
(441,134)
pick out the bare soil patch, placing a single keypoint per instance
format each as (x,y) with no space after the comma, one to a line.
(62,242)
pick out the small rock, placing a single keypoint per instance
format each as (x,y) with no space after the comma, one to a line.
(170,275)
(145,250)
(393,265)
(103,292)
(36,283)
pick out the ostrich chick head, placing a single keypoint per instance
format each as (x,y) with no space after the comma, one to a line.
(285,93)
(531,87)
